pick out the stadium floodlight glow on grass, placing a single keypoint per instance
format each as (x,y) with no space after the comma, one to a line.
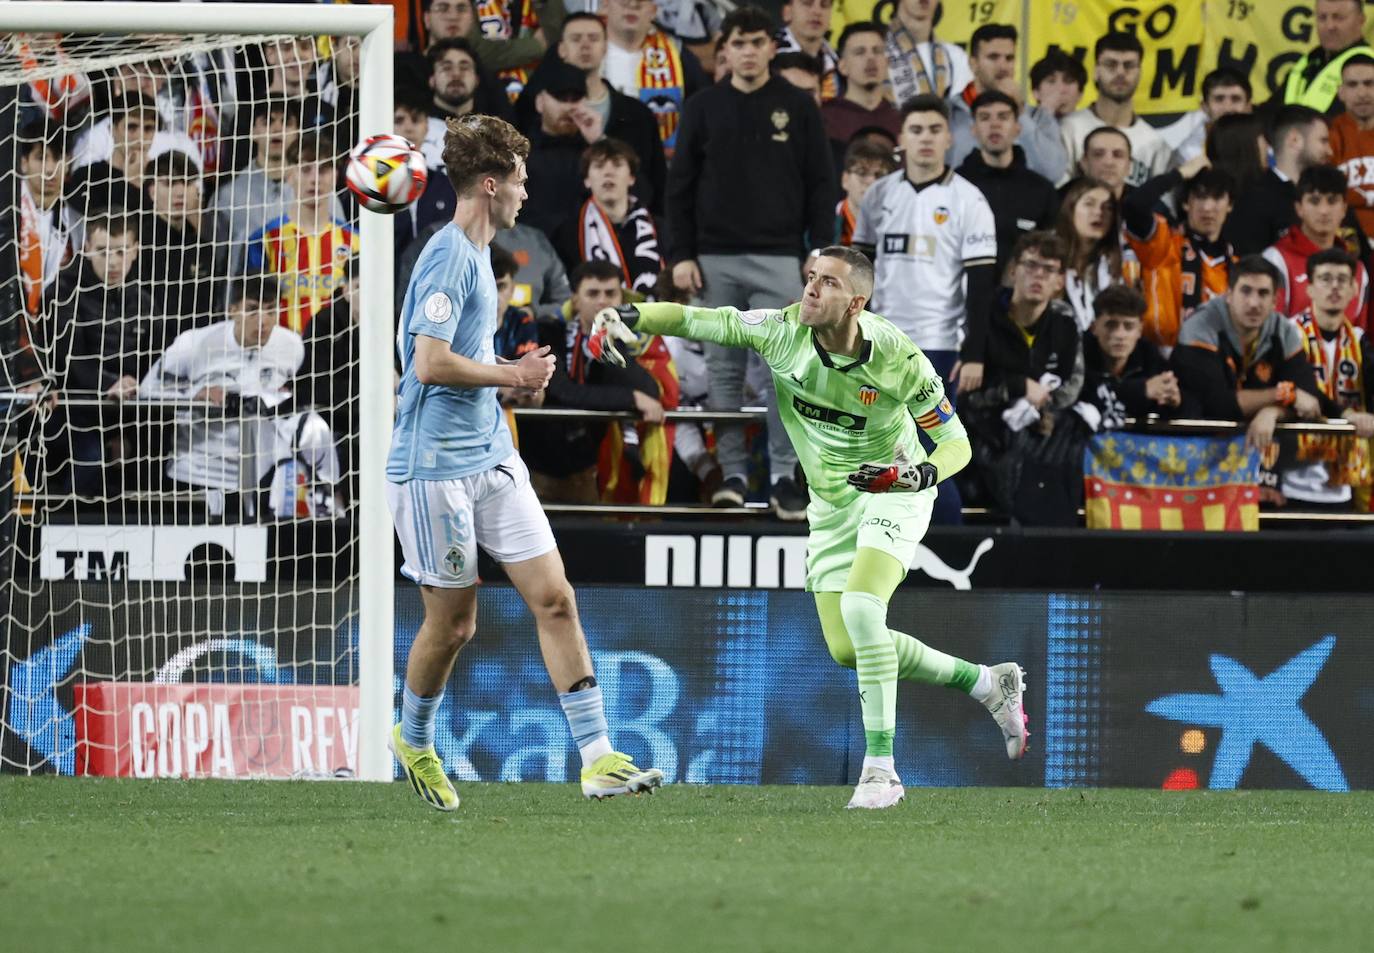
(107,645)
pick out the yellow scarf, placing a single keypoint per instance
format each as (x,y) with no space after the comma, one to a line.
(661,85)
(1347,458)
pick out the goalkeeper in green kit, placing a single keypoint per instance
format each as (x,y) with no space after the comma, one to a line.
(852,392)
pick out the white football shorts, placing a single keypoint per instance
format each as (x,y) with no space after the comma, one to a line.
(442,522)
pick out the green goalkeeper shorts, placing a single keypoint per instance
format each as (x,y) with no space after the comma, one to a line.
(894,523)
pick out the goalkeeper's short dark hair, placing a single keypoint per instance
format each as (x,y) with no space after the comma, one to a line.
(259,288)
(860,268)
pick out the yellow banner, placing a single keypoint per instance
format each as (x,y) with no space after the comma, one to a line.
(1171,32)
(956,23)
(1184,40)
(1260,38)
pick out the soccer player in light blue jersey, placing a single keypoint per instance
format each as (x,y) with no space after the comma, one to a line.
(455,481)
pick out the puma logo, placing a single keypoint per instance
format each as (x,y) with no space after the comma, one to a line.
(936,568)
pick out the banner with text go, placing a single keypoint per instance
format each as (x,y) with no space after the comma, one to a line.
(1171,32)
(1183,42)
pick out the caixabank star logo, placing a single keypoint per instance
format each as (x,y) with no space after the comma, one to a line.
(1252,711)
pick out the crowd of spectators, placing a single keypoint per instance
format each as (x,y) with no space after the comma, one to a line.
(1066,267)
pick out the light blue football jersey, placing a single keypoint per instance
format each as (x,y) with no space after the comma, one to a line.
(443,433)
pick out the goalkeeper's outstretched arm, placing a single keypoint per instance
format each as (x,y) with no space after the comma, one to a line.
(616,326)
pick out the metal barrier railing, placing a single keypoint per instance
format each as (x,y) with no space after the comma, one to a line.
(1151,424)
(1181,427)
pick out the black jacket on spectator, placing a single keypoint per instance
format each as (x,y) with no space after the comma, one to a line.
(1262,214)
(630,121)
(1022,201)
(1033,474)
(328,379)
(751,174)
(102,334)
(16,350)
(182,270)
(559,448)
(1211,367)
(555,180)
(1009,359)
(1118,397)
(100,185)
(434,206)
(633,124)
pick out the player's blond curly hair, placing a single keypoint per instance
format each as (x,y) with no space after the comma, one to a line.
(479,146)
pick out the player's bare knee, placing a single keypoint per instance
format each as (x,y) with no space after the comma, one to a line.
(451,634)
(462,632)
(554,605)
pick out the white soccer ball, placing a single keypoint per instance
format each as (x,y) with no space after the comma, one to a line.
(386,173)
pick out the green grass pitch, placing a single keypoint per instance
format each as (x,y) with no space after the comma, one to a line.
(206,866)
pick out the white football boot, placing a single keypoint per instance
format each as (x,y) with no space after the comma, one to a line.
(1008,685)
(878,788)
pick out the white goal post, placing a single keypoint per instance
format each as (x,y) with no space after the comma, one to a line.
(373,24)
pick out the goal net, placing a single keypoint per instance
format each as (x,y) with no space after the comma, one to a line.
(184,500)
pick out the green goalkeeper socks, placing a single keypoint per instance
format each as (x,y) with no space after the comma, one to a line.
(875,659)
(918,662)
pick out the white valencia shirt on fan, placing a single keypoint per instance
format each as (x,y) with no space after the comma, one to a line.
(208,448)
(922,239)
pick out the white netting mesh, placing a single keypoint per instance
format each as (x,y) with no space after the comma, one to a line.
(180,420)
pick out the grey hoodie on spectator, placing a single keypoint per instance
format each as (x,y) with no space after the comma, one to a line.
(541,268)
(1044,146)
(1039,139)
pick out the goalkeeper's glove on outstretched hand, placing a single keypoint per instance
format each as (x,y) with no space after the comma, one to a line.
(901,476)
(610,327)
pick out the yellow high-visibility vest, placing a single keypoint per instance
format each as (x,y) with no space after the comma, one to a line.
(1321,92)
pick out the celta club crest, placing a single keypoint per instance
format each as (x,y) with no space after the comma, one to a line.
(455,560)
(941,215)
(867,395)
